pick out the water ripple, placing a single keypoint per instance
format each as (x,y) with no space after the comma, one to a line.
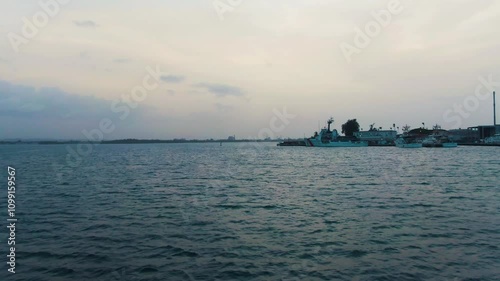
(241,212)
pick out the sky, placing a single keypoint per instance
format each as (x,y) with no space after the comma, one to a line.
(217,68)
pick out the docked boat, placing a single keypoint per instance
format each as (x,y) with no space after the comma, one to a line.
(405,141)
(331,138)
(436,140)
(493,140)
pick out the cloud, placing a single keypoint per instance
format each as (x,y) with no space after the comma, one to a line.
(27,102)
(84,55)
(171,92)
(172,78)
(53,113)
(223,108)
(221,90)
(122,60)
(86,23)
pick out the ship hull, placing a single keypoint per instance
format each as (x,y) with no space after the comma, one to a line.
(409,145)
(445,145)
(316,143)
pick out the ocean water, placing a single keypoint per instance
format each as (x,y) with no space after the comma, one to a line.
(253,212)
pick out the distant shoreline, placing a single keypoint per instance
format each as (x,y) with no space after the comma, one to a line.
(131,141)
(138,141)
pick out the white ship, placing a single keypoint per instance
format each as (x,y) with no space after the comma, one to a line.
(329,138)
(437,140)
(404,141)
(493,140)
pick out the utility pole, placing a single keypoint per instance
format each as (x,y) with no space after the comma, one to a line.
(494,112)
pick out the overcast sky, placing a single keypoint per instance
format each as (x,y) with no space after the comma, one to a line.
(226,65)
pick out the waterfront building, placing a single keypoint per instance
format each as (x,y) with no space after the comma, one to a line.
(377,137)
(485,131)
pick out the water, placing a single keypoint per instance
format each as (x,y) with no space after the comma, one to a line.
(245,212)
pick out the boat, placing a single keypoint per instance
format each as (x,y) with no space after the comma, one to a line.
(330,138)
(405,141)
(292,143)
(437,140)
(493,140)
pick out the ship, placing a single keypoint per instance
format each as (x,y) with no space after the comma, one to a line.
(493,140)
(406,141)
(438,140)
(330,138)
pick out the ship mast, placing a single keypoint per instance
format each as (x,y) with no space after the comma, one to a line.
(330,121)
